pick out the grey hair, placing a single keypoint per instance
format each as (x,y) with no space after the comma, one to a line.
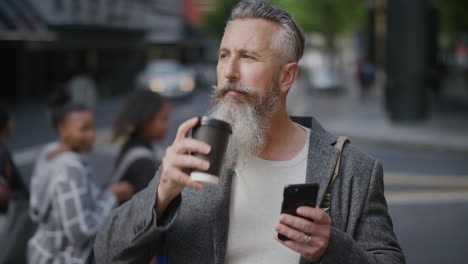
(288,41)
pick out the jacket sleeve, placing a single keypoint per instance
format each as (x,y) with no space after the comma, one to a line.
(134,233)
(82,206)
(374,240)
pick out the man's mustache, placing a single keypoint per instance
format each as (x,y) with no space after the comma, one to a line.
(221,91)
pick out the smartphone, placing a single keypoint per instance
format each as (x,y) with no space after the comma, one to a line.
(297,195)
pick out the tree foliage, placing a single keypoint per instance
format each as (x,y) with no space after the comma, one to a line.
(328,17)
(215,20)
(453,15)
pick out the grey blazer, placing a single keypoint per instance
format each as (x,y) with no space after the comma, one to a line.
(195,227)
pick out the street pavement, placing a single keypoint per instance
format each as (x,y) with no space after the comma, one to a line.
(426,164)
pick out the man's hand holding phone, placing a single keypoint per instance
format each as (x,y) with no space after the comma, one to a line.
(305,230)
(309,233)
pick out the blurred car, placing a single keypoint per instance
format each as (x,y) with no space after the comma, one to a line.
(167,77)
(205,73)
(322,73)
(325,78)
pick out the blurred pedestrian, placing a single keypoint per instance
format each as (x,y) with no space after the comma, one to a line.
(142,120)
(65,202)
(365,74)
(8,172)
(437,72)
(14,200)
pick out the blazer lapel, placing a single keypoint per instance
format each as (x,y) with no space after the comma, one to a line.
(321,159)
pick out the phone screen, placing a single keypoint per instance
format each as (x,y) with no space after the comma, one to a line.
(298,195)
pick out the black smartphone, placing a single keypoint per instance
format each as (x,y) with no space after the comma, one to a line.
(297,195)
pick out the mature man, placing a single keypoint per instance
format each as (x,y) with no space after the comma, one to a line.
(237,221)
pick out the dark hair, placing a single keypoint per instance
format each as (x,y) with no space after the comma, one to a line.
(139,108)
(59,114)
(61,106)
(4,118)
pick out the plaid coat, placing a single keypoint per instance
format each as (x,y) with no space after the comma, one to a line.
(69,208)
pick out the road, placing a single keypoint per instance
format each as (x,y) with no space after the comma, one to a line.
(427,190)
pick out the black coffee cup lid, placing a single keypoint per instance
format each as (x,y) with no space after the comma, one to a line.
(209,121)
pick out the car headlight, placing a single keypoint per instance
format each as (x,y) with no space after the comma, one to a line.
(157,85)
(187,84)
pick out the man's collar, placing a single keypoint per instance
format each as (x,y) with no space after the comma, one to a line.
(318,133)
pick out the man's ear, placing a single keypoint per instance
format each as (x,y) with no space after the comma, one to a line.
(288,75)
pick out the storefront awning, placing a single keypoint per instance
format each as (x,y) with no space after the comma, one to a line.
(20,21)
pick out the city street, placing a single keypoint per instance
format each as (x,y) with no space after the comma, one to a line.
(392,76)
(426,188)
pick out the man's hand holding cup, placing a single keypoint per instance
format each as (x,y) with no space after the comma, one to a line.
(203,154)
(177,163)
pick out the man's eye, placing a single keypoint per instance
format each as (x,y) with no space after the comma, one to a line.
(248,57)
(222,55)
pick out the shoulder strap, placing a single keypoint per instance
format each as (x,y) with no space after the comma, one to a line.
(131,156)
(341,141)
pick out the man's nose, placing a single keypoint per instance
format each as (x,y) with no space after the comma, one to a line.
(231,71)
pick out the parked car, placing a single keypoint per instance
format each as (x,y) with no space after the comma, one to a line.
(167,77)
(322,73)
(325,77)
(205,73)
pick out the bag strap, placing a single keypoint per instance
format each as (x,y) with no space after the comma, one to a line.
(131,156)
(340,142)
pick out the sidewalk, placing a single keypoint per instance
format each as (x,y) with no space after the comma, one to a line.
(366,122)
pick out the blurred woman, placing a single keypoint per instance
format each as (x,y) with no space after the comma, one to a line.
(14,200)
(9,175)
(68,206)
(143,119)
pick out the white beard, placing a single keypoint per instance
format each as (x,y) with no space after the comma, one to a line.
(248,116)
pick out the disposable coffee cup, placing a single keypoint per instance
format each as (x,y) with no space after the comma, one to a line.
(215,133)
